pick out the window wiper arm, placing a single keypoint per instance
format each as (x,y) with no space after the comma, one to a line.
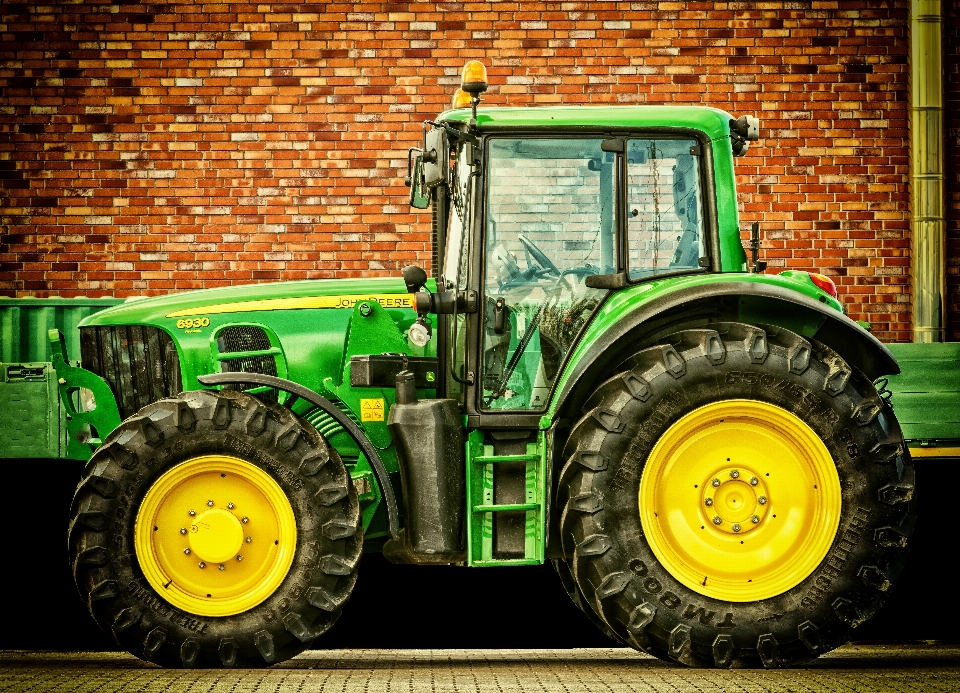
(515,359)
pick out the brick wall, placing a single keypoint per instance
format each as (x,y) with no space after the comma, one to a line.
(146,148)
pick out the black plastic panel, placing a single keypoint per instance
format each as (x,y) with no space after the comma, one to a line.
(380,370)
(140,364)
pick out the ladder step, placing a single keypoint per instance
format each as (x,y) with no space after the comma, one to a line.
(502,508)
(488,459)
(506,562)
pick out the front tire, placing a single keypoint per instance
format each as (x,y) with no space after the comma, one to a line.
(736,497)
(213,530)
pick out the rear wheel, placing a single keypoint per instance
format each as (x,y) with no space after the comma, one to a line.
(213,530)
(736,496)
(576,596)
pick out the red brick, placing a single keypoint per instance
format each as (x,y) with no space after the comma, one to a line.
(259,145)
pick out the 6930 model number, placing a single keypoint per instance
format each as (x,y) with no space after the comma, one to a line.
(189,323)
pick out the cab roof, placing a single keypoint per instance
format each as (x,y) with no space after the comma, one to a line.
(712,121)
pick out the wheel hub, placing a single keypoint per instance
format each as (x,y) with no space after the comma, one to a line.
(740,500)
(215,535)
(737,498)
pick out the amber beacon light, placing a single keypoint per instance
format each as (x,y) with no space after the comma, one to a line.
(461,99)
(473,79)
(473,82)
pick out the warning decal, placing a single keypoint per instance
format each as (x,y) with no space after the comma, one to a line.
(371,409)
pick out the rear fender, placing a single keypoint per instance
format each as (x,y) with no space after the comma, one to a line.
(730,301)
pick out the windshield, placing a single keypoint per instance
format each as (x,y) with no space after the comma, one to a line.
(550,223)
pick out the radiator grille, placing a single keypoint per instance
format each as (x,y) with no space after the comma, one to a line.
(247,338)
(250,364)
(243,338)
(139,363)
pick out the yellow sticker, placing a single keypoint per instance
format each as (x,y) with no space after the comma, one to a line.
(371,409)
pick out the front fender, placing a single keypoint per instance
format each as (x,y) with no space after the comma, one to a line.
(354,431)
(753,299)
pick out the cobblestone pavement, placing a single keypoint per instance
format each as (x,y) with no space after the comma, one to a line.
(872,668)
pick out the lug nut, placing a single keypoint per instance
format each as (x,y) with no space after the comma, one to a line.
(239,557)
(245,520)
(736,528)
(734,474)
(202,564)
(230,506)
(248,539)
(209,503)
(754,481)
(762,500)
(183,530)
(192,513)
(223,567)
(708,502)
(717,521)
(755,519)
(187,550)
(715,482)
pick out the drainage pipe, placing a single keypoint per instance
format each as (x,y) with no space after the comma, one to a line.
(928,220)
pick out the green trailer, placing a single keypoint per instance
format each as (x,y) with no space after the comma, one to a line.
(34,420)
(597,375)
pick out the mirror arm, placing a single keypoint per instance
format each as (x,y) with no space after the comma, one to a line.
(445,302)
(453,132)
(408,179)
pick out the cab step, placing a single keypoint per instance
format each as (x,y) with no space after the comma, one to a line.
(506,497)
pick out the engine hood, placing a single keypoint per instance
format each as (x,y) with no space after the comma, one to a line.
(158,311)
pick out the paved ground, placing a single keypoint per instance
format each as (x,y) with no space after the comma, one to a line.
(873,668)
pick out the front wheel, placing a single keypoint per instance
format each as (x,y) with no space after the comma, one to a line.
(736,496)
(214,530)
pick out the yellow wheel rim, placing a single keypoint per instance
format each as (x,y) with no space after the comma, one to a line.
(740,500)
(215,535)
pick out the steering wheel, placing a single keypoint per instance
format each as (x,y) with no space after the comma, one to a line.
(507,268)
(538,255)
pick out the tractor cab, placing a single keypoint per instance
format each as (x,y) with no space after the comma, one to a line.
(537,219)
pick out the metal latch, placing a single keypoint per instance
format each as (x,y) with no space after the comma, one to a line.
(499,315)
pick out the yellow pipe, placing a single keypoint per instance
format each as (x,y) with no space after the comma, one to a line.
(928,220)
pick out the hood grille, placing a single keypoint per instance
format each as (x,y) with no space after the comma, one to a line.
(247,338)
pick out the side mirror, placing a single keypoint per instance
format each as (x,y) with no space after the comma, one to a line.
(414,277)
(419,196)
(436,157)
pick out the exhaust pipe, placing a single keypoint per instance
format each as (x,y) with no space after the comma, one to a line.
(928,218)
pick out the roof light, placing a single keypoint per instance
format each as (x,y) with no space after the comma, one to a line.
(824,283)
(474,78)
(461,99)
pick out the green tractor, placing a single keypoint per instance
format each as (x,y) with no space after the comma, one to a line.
(597,376)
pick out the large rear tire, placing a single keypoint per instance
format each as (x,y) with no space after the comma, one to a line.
(213,530)
(576,596)
(734,497)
